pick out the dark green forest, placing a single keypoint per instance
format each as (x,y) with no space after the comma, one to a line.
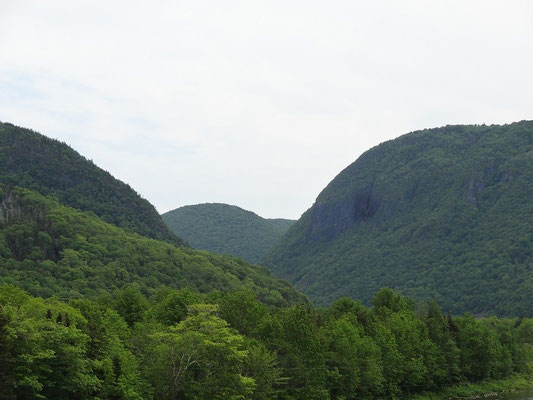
(180,344)
(226,229)
(31,160)
(50,249)
(441,213)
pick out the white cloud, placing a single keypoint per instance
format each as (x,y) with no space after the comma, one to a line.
(254,103)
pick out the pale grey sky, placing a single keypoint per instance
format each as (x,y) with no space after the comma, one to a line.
(256,103)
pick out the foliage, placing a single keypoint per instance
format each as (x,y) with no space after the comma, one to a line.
(346,351)
(33,161)
(442,213)
(128,317)
(226,229)
(50,249)
(200,358)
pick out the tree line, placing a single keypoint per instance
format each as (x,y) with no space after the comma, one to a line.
(180,344)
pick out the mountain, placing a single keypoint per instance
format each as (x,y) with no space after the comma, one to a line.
(29,159)
(50,249)
(226,229)
(444,213)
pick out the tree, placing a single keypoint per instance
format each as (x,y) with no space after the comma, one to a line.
(301,356)
(446,369)
(409,355)
(6,386)
(131,305)
(353,361)
(262,365)
(200,358)
(479,348)
(242,311)
(173,307)
(48,359)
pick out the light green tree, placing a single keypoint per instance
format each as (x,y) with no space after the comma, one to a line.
(200,358)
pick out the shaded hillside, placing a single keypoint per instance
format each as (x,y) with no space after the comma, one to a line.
(226,229)
(29,159)
(444,213)
(52,250)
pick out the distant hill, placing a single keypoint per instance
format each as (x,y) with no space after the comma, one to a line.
(50,249)
(444,213)
(226,229)
(29,159)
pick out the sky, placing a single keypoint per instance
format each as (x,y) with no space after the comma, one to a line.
(256,103)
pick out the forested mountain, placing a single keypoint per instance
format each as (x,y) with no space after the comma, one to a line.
(226,229)
(50,249)
(29,159)
(444,213)
(107,313)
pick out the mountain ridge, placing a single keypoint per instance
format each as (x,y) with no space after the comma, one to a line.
(32,160)
(460,192)
(226,229)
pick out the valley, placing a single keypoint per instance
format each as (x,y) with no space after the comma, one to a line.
(413,265)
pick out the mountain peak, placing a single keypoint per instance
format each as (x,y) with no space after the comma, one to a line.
(226,229)
(31,160)
(443,212)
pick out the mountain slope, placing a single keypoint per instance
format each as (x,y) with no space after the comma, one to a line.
(29,159)
(444,213)
(226,229)
(49,249)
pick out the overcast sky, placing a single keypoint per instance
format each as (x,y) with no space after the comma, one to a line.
(256,103)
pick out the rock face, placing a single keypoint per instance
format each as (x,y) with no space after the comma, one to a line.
(444,213)
(12,208)
(9,208)
(330,220)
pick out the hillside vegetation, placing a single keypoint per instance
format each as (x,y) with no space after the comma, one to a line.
(441,213)
(50,249)
(226,229)
(31,160)
(92,311)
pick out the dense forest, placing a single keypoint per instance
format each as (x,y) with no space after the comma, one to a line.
(441,213)
(31,160)
(180,344)
(50,249)
(226,229)
(93,311)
